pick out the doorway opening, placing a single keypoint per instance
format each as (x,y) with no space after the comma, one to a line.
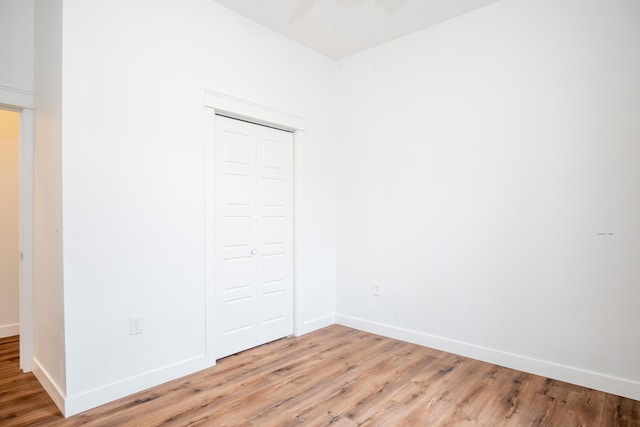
(16,227)
(9,223)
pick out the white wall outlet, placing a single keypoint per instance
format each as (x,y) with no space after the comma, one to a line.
(376,289)
(136,326)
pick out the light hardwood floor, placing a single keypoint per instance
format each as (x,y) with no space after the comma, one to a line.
(336,376)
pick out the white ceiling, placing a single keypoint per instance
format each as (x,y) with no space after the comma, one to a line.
(338,28)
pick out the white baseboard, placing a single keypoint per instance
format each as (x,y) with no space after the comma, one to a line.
(315,324)
(49,384)
(614,385)
(92,398)
(9,330)
(71,405)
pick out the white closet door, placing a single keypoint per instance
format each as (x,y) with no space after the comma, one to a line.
(254,235)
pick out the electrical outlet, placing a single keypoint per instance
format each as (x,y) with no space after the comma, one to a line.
(136,326)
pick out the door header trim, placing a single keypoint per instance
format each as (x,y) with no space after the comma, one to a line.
(251,111)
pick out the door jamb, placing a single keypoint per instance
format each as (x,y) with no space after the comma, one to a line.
(216,102)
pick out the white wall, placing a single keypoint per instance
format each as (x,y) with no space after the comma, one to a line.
(9,243)
(49,334)
(480,161)
(134,75)
(16,44)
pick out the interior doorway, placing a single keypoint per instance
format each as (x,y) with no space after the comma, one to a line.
(9,223)
(17,123)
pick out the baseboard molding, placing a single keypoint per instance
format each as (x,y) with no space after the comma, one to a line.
(315,324)
(49,385)
(92,398)
(71,405)
(9,330)
(614,385)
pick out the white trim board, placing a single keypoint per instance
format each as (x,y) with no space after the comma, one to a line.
(252,111)
(9,330)
(27,212)
(74,404)
(50,386)
(315,324)
(19,98)
(609,384)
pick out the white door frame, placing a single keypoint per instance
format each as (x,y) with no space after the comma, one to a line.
(219,103)
(22,102)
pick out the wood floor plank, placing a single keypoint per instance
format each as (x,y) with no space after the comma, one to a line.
(333,377)
(620,412)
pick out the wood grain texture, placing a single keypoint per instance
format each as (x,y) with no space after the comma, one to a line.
(333,377)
